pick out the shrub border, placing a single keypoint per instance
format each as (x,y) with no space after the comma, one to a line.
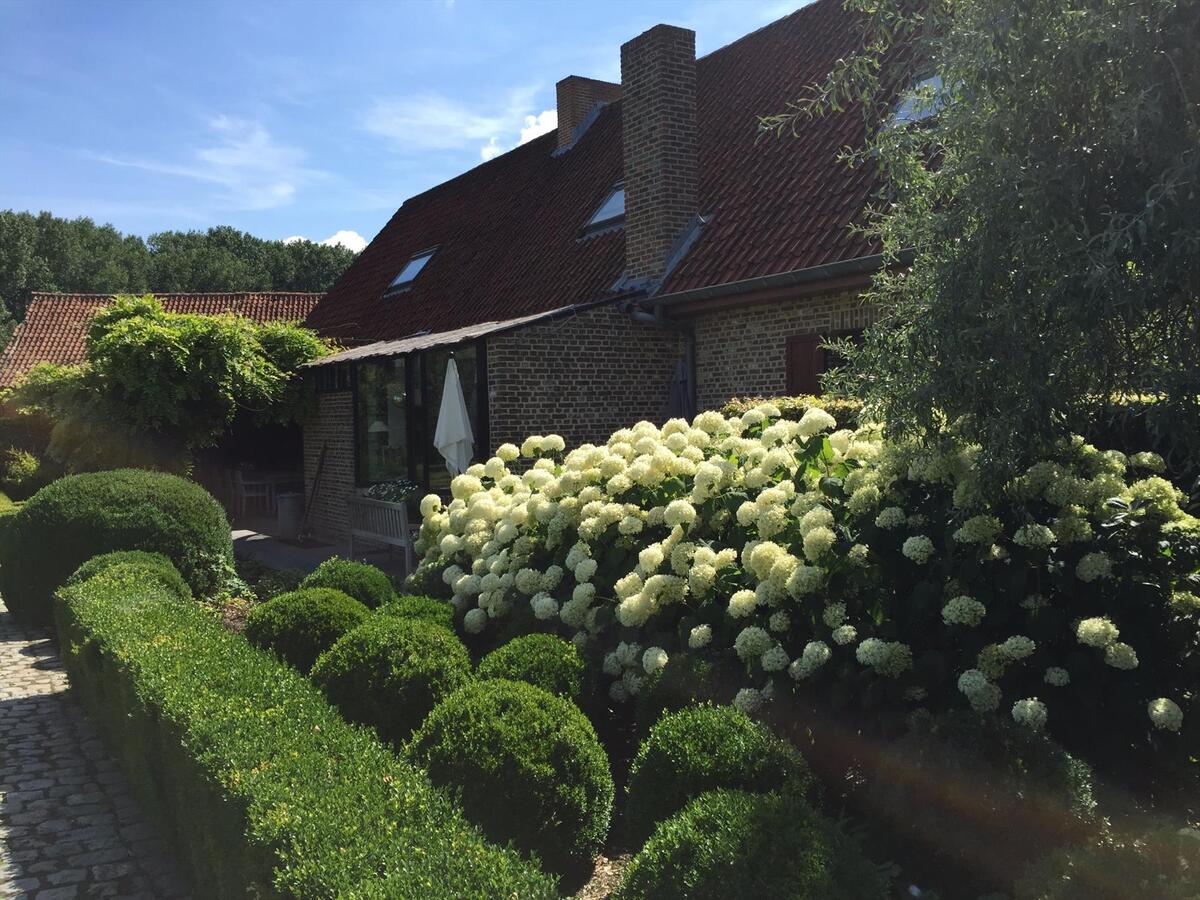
(262,788)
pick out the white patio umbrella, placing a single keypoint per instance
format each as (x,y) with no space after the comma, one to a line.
(453,437)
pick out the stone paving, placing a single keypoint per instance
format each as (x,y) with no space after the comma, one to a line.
(68,825)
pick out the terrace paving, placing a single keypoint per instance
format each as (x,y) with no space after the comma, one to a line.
(69,827)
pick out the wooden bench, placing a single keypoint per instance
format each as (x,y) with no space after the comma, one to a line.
(380,522)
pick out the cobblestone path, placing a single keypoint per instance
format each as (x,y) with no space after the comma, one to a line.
(68,826)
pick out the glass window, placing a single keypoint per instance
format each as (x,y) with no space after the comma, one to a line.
(382,423)
(438,477)
(398,404)
(920,102)
(611,211)
(411,270)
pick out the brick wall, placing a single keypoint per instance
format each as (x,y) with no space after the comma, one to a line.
(576,97)
(658,124)
(582,377)
(331,425)
(740,351)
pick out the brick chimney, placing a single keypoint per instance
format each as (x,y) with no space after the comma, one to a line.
(577,97)
(658,86)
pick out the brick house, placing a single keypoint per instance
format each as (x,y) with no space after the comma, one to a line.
(657,232)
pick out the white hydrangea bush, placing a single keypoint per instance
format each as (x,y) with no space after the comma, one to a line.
(804,551)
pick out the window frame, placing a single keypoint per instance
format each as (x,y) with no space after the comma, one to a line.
(399,287)
(420,418)
(917,114)
(596,225)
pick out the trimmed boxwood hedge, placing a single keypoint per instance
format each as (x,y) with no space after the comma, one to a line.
(73,519)
(365,583)
(262,787)
(700,749)
(390,672)
(415,606)
(737,844)
(527,766)
(543,660)
(301,625)
(157,564)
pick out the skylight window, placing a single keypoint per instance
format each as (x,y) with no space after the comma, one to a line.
(411,270)
(920,102)
(610,213)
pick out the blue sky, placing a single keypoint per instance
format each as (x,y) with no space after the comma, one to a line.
(299,118)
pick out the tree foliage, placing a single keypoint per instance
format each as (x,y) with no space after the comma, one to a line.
(46,253)
(156,385)
(1050,210)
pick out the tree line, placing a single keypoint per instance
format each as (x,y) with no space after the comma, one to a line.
(44,252)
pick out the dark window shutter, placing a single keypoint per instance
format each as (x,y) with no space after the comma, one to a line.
(805,364)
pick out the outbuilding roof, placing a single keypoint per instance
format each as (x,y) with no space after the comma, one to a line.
(55,325)
(509,234)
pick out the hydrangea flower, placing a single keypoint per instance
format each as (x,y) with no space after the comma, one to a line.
(775,659)
(1030,712)
(544,606)
(748,700)
(1150,462)
(888,658)
(742,604)
(1098,631)
(818,542)
(918,548)
(627,653)
(834,614)
(1120,655)
(1185,603)
(475,621)
(982,529)
(983,695)
(679,512)
(1165,713)
(1017,647)
(1057,677)
(537,536)
(814,655)
(963,610)
(1033,537)
(654,659)
(1093,566)
(845,634)
(814,421)
(752,642)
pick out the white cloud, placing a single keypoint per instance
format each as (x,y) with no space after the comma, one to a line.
(351,240)
(432,121)
(254,171)
(491,149)
(536,126)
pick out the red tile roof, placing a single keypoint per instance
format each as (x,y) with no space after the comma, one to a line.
(55,324)
(508,230)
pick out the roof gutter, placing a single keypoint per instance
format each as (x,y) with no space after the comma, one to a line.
(795,277)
